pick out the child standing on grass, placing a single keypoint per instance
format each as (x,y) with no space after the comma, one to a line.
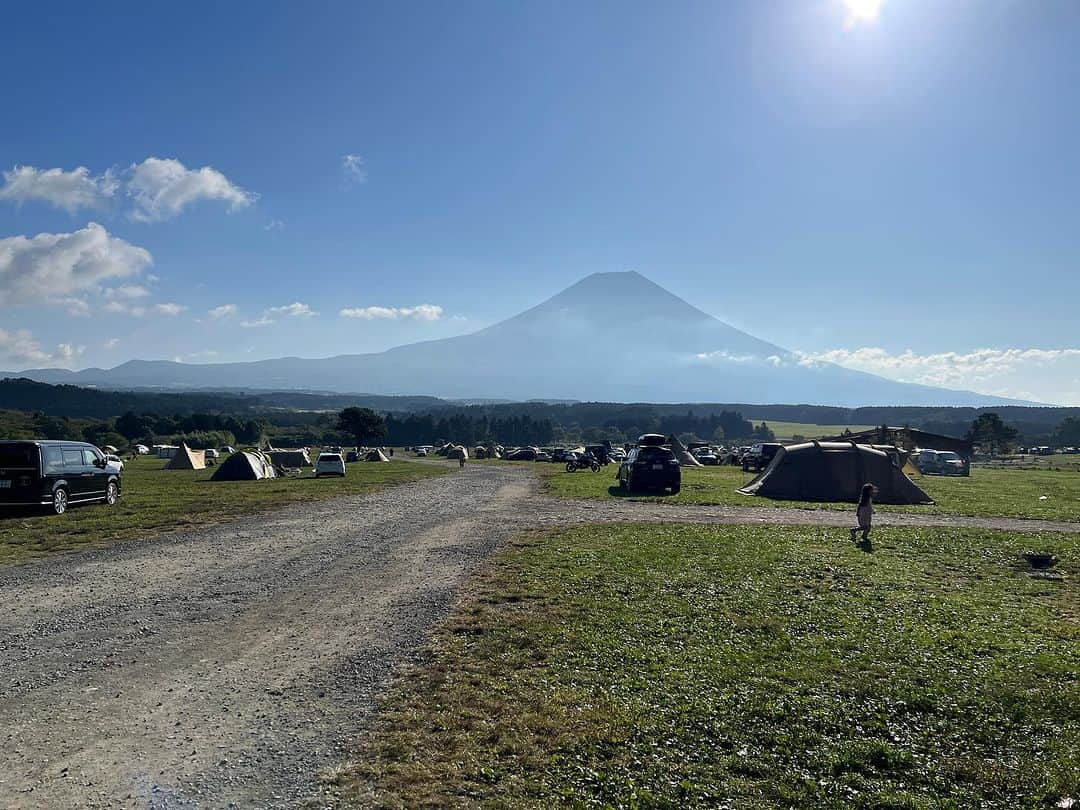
(864,513)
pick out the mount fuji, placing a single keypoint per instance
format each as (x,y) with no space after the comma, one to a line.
(609,337)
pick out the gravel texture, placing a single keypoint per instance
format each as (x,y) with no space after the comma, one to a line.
(227,666)
(224,667)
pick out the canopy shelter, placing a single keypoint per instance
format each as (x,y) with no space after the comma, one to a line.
(685,457)
(249,465)
(908,439)
(375,455)
(187,459)
(290,458)
(834,471)
(458,452)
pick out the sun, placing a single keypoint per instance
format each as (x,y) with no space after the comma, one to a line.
(861,11)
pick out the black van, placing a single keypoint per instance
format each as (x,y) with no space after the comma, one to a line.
(55,474)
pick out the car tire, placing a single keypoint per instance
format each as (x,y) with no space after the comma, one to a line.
(112,493)
(59,501)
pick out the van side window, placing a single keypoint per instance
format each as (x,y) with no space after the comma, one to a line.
(73,458)
(89,457)
(54,460)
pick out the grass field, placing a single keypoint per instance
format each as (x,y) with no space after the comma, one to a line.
(156,500)
(691,666)
(988,492)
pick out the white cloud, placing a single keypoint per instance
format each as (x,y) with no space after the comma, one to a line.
(353,167)
(76,307)
(724,356)
(273,225)
(127,292)
(67,190)
(110,344)
(264,320)
(293,310)
(162,188)
(420,312)
(169,309)
(20,348)
(56,266)
(224,311)
(1041,374)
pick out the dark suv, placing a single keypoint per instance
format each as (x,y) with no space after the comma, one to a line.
(650,467)
(55,474)
(759,456)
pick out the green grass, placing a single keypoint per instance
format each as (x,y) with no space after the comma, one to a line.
(691,666)
(785,430)
(156,500)
(987,492)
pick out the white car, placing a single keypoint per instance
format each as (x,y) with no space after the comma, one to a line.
(330,464)
(115,462)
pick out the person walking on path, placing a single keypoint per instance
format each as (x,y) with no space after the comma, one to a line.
(864,513)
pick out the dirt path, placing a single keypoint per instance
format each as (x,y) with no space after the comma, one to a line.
(226,666)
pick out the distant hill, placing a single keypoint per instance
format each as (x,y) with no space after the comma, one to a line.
(611,336)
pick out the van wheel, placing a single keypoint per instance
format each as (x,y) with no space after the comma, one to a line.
(60,501)
(112,493)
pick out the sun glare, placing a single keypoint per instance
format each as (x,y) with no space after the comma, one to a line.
(861,11)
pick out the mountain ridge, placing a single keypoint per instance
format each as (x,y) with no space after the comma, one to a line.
(607,336)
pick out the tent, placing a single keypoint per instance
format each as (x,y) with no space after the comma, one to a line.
(289,458)
(375,455)
(249,465)
(187,459)
(108,449)
(685,457)
(834,471)
(458,452)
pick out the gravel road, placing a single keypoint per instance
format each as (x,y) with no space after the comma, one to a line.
(226,666)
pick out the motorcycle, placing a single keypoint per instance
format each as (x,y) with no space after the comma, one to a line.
(575,464)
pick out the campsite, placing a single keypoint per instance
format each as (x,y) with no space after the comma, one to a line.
(497,405)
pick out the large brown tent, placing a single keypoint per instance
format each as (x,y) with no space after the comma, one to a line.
(834,471)
(187,459)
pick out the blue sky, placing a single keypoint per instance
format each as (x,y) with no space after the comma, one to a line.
(891,184)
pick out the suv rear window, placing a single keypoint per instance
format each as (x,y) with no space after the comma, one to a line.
(18,456)
(655,454)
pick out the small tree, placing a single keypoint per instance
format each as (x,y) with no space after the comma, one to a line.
(1067,434)
(361,424)
(991,434)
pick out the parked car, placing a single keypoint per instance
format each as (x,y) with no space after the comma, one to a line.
(228,450)
(55,474)
(650,467)
(706,456)
(759,456)
(940,462)
(212,453)
(329,464)
(115,460)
